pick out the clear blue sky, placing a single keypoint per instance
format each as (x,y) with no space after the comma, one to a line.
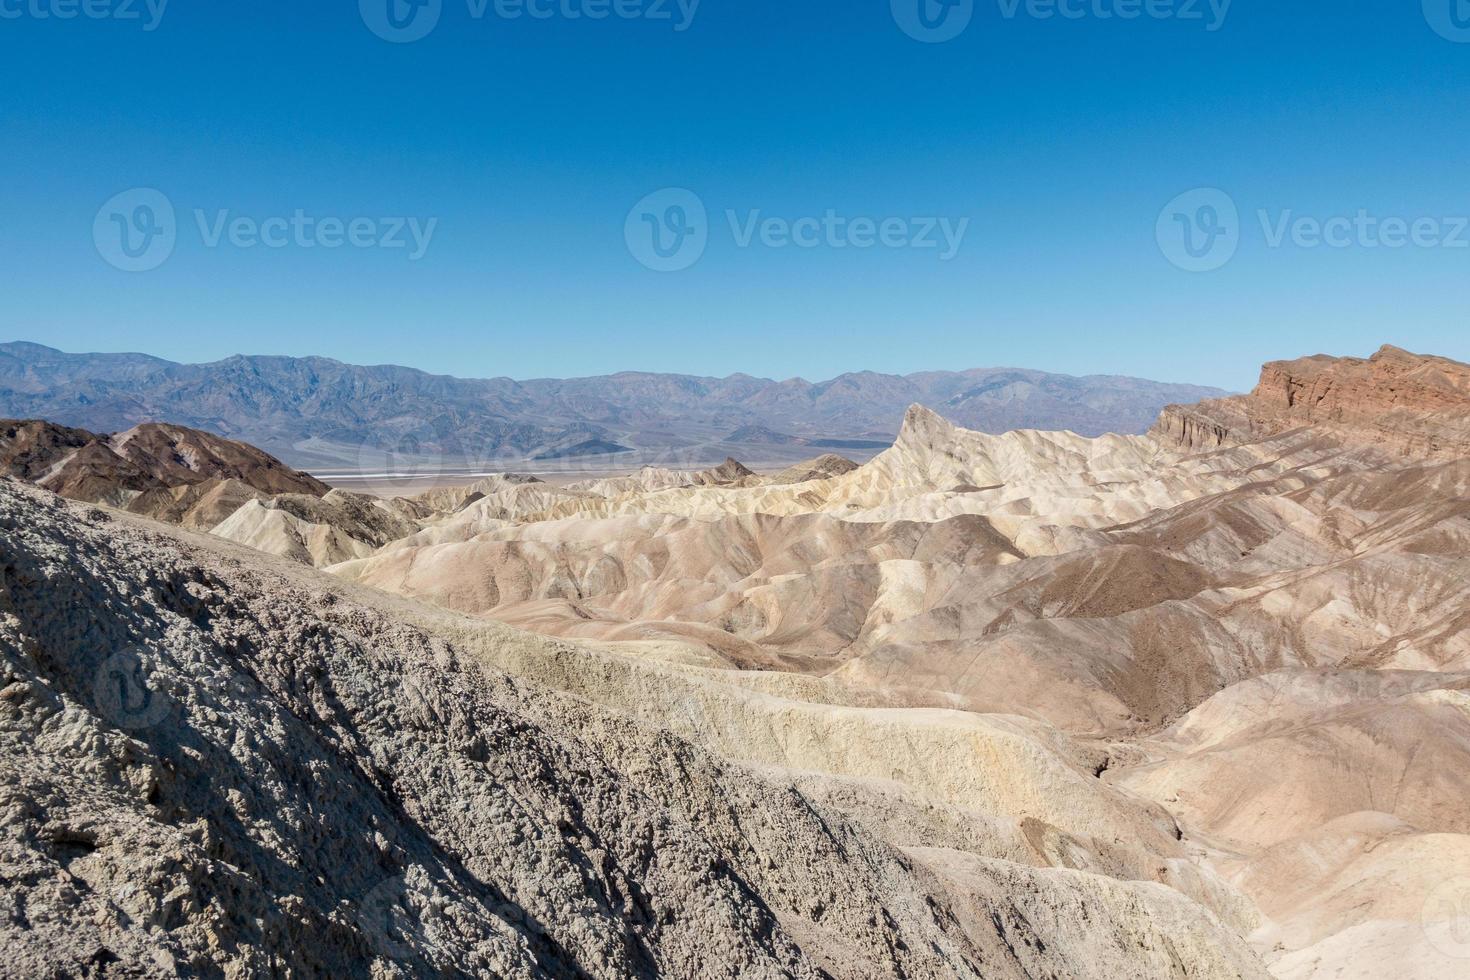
(530,140)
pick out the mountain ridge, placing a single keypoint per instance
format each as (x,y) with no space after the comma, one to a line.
(317,411)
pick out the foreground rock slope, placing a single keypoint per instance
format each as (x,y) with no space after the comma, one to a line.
(217,765)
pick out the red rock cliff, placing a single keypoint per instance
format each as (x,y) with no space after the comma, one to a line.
(1405,404)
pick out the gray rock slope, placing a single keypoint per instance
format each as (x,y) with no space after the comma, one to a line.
(214,764)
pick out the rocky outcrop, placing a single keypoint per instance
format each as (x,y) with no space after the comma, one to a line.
(29,449)
(116,469)
(1404,404)
(176,455)
(1198,431)
(730,472)
(822,468)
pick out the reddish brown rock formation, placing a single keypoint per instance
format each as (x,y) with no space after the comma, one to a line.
(141,463)
(1405,404)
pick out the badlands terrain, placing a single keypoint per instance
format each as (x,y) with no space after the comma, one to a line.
(1187,704)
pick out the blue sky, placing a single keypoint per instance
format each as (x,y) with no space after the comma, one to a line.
(527,143)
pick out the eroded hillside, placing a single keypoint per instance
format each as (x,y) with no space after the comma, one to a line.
(1224,667)
(219,765)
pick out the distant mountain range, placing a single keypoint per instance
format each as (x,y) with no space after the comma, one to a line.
(316,412)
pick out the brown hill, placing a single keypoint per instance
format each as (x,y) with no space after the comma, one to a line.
(150,457)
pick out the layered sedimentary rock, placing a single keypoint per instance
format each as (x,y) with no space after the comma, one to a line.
(1407,405)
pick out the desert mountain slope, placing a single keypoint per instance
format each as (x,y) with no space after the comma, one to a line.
(316,411)
(219,764)
(154,456)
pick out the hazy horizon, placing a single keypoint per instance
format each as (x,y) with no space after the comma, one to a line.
(775,378)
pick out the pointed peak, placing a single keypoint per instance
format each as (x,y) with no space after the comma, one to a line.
(921,422)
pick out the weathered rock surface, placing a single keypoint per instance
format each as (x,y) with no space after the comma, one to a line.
(216,765)
(1408,405)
